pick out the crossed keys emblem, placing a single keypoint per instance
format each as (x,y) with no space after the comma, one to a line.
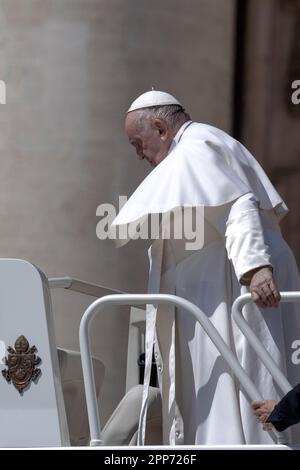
(21,364)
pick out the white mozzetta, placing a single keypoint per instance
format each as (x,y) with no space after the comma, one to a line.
(206,168)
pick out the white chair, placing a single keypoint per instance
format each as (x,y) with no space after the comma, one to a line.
(74,395)
(53,408)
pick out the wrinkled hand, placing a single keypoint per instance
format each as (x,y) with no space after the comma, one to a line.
(263,288)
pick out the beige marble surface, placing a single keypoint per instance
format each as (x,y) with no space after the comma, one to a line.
(71,68)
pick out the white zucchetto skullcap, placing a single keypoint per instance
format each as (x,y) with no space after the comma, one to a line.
(153,98)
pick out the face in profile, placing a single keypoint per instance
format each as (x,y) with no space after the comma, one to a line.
(151,140)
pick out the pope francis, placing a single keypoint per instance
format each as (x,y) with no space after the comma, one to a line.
(198,166)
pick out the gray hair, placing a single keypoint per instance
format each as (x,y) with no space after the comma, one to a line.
(172,114)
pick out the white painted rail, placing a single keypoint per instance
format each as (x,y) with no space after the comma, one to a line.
(83,287)
(260,350)
(139,299)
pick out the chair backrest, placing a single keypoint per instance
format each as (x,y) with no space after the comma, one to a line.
(74,394)
(31,414)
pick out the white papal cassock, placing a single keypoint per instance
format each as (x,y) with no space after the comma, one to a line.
(207,168)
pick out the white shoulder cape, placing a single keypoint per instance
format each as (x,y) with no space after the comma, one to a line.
(206,168)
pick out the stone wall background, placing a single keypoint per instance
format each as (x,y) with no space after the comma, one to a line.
(271,122)
(72,67)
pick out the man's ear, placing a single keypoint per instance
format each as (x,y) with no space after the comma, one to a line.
(161,127)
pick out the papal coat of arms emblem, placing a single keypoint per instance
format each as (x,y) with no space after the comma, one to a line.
(21,364)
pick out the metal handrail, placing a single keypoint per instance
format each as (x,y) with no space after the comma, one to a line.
(83,287)
(137,299)
(260,350)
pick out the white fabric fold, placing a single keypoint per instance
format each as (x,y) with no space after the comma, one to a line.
(245,243)
(155,256)
(206,168)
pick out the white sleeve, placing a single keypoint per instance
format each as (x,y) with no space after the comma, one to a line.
(245,243)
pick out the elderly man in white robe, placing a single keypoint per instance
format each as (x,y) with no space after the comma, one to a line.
(198,166)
